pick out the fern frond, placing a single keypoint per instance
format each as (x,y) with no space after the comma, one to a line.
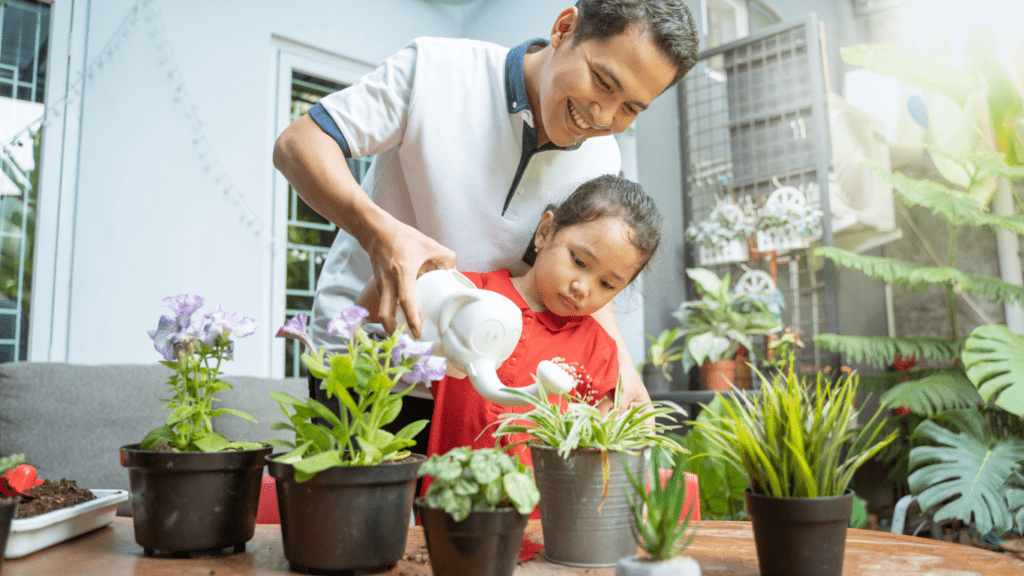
(994,288)
(885,269)
(881,351)
(954,205)
(883,382)
(941,392)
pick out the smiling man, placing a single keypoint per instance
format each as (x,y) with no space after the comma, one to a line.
(473,141)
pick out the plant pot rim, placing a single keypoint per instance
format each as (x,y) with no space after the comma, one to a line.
(383,473)
(847,494)
(136,448)
(133,457)
(420,502)
(590,450)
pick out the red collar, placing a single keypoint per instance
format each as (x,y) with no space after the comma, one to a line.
(549,319)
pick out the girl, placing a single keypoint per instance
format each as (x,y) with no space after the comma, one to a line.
(583,253)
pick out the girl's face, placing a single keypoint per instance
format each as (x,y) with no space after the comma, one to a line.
(582,267)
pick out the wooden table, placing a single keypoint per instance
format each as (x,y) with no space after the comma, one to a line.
(720,547)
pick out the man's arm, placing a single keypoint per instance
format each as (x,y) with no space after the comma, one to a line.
(633,390)
(316,167)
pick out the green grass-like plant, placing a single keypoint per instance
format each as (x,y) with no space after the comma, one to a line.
(486,479)
(795,441)
(11,462)
(665,531)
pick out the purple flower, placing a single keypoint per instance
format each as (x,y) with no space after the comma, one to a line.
(184,305)
(406,347)
(426,370)
(164,336)
(296,328)
(220,325)
(345,324)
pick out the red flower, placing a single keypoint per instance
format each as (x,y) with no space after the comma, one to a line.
(901,411)
(904,363)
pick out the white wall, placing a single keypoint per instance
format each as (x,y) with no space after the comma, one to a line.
(130,209)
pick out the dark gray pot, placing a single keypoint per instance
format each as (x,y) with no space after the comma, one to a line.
(800,536)
(8,511)
(485,543)
(346,518)
(194,501)
(570,494)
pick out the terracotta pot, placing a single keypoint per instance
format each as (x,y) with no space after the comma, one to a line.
(742,375)
(718,376)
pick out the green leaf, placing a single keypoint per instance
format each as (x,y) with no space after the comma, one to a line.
(314,464)
(180,414)
(994,359)
(159,435)
(965,473)
(940,392)
(410,430)
(238,413)
(212,443)
(522,492)
(913,69)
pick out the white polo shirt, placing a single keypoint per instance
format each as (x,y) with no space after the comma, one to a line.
(457,159)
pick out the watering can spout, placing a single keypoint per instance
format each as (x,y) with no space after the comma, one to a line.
(551,379)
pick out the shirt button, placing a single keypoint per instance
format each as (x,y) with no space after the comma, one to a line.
(513,361)
(520,190)
(514,104)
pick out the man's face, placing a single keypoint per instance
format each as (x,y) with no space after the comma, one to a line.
(597,87)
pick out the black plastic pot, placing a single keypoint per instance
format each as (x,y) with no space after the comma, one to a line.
(186,502)
(346,518)
(485,543)
(8,511)
(800,536)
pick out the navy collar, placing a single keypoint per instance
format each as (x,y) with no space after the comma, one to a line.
(515,83)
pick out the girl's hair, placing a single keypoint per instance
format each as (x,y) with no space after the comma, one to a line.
(609,196)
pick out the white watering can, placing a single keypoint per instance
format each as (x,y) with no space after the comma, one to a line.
(476,330)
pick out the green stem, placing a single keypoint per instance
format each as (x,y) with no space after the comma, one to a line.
(950,294)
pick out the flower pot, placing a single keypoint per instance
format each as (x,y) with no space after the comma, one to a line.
(347,517)
(800,536)
(655,380)
(575,532)
(8,510)
(193,501)
(485,543)
(636,566)
(719,375)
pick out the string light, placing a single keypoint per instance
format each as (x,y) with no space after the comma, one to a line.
(150,12)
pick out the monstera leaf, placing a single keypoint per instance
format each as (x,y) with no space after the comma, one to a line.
(967,472)
(936,393)
(994,358)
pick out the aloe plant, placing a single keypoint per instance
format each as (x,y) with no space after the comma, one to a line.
(661,520)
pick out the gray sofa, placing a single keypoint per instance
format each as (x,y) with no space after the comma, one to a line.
(70,420)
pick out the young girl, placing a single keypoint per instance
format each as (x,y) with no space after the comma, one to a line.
(583,253)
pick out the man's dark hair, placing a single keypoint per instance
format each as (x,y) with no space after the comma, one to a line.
(669,22)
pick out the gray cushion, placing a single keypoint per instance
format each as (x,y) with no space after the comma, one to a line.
(70,420)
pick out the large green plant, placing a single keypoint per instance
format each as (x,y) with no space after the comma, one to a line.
(716,325)
(973,138)
(721,489)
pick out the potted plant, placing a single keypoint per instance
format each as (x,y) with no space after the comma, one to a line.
(345,486)
(8,505)
(475,511)
(721,238)
(661,524)
(191,488)
(718,324)
(579,462)
(797,446)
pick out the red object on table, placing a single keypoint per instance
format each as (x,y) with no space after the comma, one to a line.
(267,513)
(19,480)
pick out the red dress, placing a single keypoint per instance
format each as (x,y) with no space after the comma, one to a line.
(460,414)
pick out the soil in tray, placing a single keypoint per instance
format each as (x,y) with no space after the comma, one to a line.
(50,496)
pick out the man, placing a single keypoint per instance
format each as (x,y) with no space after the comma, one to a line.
(473,141)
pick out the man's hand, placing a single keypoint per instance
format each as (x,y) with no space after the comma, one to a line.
(400,253)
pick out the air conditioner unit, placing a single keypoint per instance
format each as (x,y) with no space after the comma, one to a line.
(900,109)
(860,201)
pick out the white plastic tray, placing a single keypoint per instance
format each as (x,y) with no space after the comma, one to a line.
(30,535)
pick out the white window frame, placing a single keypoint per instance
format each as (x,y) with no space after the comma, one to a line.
(290,56)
